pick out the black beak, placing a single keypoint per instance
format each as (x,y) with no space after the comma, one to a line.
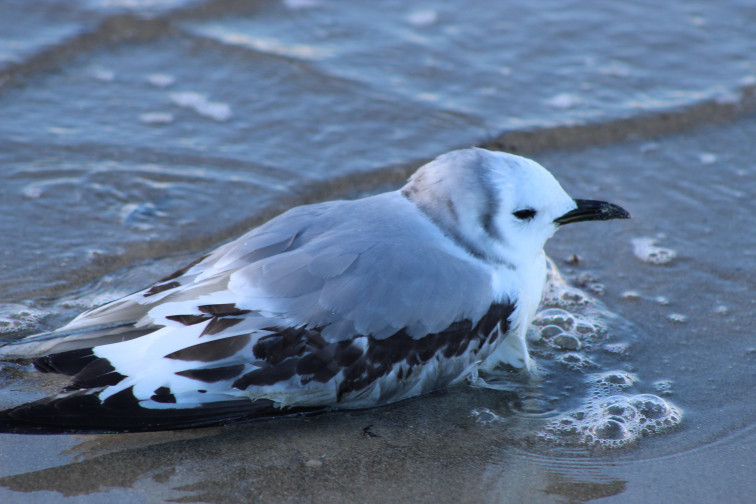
(588,210)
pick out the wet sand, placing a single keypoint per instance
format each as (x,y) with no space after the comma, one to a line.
(101,197)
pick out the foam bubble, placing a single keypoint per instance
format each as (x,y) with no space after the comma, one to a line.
(564,101)
(156,118)
(647,251)
(611,417)
(161,80)
(422,18)
(17,317)
(202,106)
(555,317)
(484,415)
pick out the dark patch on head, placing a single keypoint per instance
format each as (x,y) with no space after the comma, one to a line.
(183,270)
(188,320)
(222,310)
(163,395)
(491,205)
(212,350)
(155,289)
(219,324)
(452,209)
(212,375)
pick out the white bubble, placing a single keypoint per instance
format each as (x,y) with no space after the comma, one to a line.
(707,158)
(564,101)
(647,251)
(17,317)
(161,80)
(484,415)
(422,18)
(156,118)
(612,421)
(677,317)
(555,316)
(102,74)
(202,106)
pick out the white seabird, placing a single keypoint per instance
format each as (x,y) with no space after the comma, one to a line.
(337,305)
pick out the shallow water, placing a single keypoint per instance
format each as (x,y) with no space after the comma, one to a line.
(134,135)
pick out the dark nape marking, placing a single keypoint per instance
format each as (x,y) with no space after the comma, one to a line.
(218,324)
(67,363)
(491,202)
(183,270)
(452,209)
(268,375)
(155,289)
(188,320)
(487,221)
(212,375)
(222,310)
(163,395)
(98,373)
(212,350)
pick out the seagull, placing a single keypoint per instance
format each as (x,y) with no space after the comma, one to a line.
(332,306)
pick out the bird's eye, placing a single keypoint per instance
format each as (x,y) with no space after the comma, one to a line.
(525,214)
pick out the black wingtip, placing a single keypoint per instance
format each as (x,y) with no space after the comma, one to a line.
(81,412)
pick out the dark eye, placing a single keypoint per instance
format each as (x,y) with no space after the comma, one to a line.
(526,214)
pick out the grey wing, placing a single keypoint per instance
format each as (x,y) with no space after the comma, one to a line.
(206,278)
(374,267)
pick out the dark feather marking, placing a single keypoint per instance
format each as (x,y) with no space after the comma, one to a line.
(212,375)
(155,289)
(123,400)
(98,373)
(347,353)
(268,375)
(491,202)
(452,209)
(304,352)
(285,343)
(188,320)
(163,395)
(183,270)
(66,363)
(83,412)
(219,324)
(222,310)
(321,365)
(382,355)
(212,350)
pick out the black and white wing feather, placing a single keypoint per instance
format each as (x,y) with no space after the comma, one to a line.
(345,304)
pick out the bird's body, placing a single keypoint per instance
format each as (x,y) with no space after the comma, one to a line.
(345,304)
